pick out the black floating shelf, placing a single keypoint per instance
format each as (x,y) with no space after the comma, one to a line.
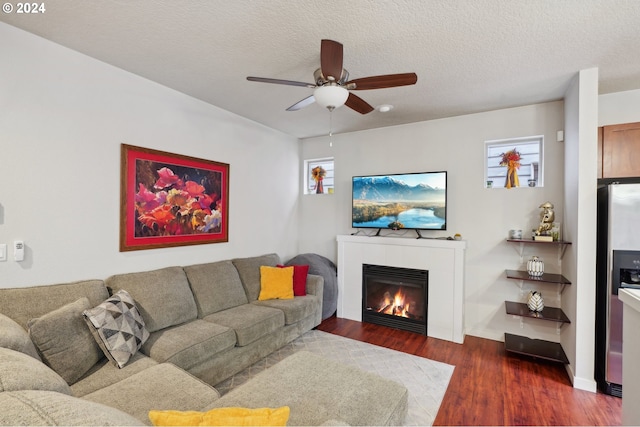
(548,313)
(558,279)
(541,349)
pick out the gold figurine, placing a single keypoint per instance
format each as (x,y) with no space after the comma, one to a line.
(547,216)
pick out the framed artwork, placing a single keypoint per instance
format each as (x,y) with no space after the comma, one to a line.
(171,200)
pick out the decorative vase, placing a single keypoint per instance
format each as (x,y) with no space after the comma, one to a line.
(512,180)
(535,301)
(535,267)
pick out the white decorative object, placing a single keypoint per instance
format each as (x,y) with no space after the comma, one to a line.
(535,267)
(535,301)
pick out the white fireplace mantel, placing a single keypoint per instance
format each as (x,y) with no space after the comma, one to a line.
(444,259)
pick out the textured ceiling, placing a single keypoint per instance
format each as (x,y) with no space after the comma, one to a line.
(469,55)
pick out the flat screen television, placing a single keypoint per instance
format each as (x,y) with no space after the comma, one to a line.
(414,201)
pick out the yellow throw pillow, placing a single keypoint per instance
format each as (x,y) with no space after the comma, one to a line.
(276,283)
(222,417)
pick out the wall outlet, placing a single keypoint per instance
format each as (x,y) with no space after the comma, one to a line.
(3,251)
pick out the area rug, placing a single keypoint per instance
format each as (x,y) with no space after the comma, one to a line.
(426,380)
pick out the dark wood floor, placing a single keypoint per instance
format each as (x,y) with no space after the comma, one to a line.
(490,386)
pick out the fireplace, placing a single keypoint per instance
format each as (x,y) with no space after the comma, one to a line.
(395,297)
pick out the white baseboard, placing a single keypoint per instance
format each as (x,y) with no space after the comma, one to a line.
(582,383)
(486,334)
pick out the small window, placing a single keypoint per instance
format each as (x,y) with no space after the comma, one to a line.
(319,176)
(523,155)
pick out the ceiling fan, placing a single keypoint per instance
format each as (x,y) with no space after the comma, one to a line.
(332,85)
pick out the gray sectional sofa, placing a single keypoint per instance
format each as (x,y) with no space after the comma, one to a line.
(205,324)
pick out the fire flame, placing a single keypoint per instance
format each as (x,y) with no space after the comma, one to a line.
(395,305)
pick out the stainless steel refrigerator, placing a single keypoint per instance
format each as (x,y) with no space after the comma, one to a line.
(617,266)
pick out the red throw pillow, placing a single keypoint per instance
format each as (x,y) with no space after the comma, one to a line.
(299,279)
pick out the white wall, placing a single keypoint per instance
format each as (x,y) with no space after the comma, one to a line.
(64,116)
(619,107)
(580,180)
(482,216)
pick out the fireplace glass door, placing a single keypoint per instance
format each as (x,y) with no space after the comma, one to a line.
(395,297)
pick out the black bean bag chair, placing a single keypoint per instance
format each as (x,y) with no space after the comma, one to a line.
(322,266)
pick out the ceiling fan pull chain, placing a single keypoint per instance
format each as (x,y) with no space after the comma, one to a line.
(330,128)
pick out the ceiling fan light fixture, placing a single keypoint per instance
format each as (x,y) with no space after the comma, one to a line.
(331,96)
(384,108)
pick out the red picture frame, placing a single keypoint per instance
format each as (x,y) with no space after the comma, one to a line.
(168,200)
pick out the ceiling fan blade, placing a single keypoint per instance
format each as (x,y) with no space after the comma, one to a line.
(358,104)
(381,82)
(280,82)
(331,59)
(303,103)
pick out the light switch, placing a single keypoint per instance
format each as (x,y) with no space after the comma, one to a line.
(3,251)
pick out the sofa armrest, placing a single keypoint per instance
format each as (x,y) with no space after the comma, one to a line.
(16,338)
(315,284)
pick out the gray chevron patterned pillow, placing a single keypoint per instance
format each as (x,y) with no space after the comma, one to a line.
(118,327)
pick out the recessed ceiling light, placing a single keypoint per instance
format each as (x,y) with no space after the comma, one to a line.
(385,108)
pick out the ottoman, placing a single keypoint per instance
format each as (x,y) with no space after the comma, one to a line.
(321,391)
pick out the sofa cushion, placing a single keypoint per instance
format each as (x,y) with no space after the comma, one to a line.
(160,387)
(189,344)
(15,337)
(275,283)
(223,417)
(295,309)
(64,341)
(36,407)
(23,304)
(162,296)
(216,286)
(19,371)
(250,322)
(249,271)
(300,273)
(105,373)
(117,327)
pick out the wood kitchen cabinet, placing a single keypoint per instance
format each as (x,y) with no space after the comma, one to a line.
(619,151)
